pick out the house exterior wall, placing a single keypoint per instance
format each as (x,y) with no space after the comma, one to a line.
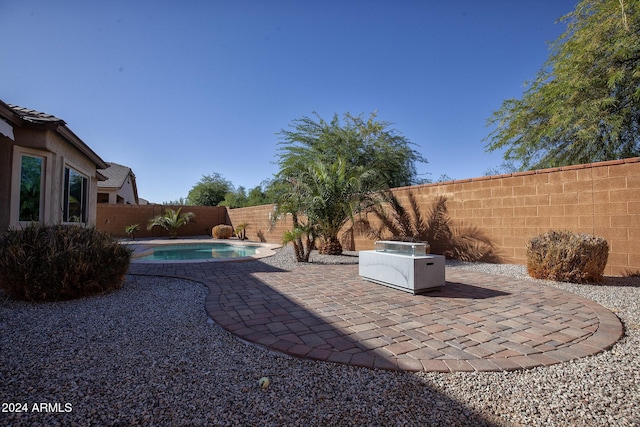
(112,195)
(58,153)
(6,159)
(126,191)
(600,198)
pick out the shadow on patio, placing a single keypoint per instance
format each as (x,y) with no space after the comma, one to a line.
(478,322)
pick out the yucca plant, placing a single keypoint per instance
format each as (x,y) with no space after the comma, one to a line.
(60,262)
(171,221)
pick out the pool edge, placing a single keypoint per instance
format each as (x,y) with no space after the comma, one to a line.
(142,247)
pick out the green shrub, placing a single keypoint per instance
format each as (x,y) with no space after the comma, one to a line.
(241,231)
(131,230)
(171,220)
(60,262)
(567,257)
(222,231)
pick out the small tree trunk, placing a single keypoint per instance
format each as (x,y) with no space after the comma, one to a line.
(298,248)
(311,242)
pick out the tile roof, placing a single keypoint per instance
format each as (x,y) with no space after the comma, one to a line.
(116,175)
(34,116)
(20,116)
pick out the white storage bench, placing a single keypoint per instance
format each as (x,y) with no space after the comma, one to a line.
(402,265)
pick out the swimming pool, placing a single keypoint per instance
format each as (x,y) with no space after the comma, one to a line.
(197,251)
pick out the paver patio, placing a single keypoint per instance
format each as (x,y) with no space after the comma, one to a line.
(477,322)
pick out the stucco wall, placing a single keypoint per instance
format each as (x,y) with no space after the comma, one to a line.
(67,155)
(58,153)
(5,180)
(126,192)
(600,198)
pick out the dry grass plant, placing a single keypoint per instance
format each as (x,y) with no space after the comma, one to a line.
(567,257)
(222,231)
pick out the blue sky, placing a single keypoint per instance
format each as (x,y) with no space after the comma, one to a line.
(181,89)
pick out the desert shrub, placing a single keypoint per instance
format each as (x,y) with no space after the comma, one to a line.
(51,263)
(222,231)
(567,257)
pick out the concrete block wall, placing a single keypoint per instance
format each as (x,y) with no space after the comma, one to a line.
(114,218)
(260,227)
(599,198)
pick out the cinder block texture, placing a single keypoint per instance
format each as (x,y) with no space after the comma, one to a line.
(598,198)
(114,218)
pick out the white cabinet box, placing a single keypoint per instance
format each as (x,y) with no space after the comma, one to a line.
(402,265)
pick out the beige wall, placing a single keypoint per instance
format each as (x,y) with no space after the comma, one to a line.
(600,198)
(69,156)
(58,153)
(261,228)
(125,192)
(114,218)
(6,158)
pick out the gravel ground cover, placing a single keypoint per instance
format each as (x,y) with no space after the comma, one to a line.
(148,355)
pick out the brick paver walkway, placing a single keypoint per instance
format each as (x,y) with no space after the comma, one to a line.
(477,322)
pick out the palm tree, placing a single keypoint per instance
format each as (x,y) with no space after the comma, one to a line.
(436,228)
(333,194)
(171,220)
(290,200)
(328,196)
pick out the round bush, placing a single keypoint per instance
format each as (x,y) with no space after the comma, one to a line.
(50,263)
(567,257)
(222,231)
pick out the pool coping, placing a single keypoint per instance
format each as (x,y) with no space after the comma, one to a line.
(143,247)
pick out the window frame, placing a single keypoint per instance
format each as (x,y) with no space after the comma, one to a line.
(16,182)
(66,194)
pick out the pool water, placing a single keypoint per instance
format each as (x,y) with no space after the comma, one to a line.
(199,251)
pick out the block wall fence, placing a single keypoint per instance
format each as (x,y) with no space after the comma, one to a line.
(114,218)
(598,198)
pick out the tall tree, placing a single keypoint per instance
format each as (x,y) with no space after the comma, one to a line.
(584,104)
(329,171)
(210,190)
(235,199)
(328,195)
(367,143)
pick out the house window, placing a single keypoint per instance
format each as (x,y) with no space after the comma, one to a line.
(75,196)
(31,184)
